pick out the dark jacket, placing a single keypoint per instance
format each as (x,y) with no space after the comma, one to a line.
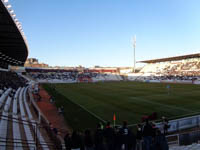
(109,134)
(147,130)
(98,137)
(139,134)
(76,141)
(67,140)
(88,141)
(124,131)
(131,140)
(161,142)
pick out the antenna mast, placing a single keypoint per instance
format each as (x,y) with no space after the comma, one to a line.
(134,47)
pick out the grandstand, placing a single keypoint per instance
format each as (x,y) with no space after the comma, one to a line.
(179,69)
(185,69)
(71,76)
(11,38)
(22,125)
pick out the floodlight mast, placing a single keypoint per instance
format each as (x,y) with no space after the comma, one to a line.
(134,47)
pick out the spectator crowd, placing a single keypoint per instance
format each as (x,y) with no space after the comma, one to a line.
(11,80)
(147,137)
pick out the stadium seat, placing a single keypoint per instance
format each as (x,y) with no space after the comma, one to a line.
(15,101)
(3,97)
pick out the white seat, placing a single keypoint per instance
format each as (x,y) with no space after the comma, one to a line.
(3,130)
(15,101)
(27,106)
(21,103)
(39,136)
(16,134)
(3,97)
(29,136)
(7,105)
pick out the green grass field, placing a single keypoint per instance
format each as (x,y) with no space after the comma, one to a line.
(87,103)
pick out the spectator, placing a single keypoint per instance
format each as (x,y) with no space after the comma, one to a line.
(60,110)
(51,99)
(139,137)
(124,134)
(160,141)
(166,125)
(98,138)
(55,130)
(147,135)
(88,140)
(131,141)
(76,141)
(109,136)
(153,125)
(67,140)
(117,139)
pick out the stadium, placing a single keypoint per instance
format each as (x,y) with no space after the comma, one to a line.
(45,108)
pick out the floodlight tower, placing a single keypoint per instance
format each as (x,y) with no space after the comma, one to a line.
(134,47)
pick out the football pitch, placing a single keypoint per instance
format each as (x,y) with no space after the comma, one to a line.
(86,104)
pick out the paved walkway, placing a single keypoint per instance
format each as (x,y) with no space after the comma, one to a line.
(51,113)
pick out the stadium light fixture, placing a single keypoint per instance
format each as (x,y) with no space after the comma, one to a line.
(11,11)
(18,23)
(13,15)
(8,6)
(5,1)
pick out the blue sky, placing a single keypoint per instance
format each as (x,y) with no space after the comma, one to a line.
(99,32)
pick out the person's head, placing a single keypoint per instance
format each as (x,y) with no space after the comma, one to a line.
(147,121)
(98,126)
(116,129)
(124,123)
(163,117)
(75,133)
(87,132)
(108,124)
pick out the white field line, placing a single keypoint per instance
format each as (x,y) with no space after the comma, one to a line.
(141,99)
(189,114)
(93,114)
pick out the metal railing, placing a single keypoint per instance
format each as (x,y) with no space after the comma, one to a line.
(51,140)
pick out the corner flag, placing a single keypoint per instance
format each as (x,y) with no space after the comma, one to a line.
(114,119)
